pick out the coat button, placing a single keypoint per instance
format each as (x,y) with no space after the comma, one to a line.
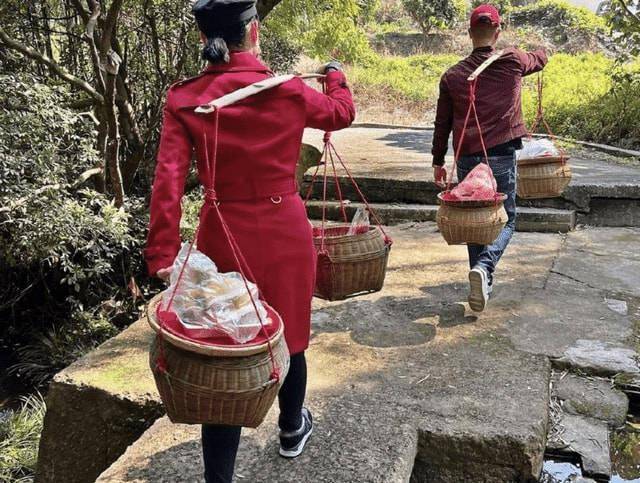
(276,200)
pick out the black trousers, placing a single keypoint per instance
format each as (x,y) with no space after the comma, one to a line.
(220,443)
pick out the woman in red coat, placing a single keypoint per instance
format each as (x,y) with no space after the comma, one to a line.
(258,148)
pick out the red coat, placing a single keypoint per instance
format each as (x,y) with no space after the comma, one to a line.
(258,149)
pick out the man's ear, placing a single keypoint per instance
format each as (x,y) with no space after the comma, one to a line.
(203,38)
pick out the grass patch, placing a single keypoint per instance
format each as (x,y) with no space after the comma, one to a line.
(414,78)
(19,439)
(586,96)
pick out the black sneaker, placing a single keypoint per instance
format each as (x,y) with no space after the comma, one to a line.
(292,442)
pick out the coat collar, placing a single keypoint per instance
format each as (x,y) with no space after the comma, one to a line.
(487,49)
(239,62)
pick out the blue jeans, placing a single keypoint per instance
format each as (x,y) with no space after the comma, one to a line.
(504,170)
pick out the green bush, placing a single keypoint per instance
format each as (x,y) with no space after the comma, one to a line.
(589,97)
(67,253)
(430,14)
(19,438)
(322,29)
(558,16)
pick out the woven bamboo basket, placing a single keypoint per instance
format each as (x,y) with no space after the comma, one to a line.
(351,264)
(544,177)
(473,222)
(205,384)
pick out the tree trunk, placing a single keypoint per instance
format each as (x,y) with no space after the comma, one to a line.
(112,154)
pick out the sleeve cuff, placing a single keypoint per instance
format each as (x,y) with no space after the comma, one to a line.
(335,78)
(158,262)
(437,161)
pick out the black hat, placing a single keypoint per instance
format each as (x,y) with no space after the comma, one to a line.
(215,15)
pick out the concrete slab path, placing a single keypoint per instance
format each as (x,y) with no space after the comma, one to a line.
(408,384)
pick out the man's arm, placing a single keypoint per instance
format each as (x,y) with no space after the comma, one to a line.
(443,124)
(532,62)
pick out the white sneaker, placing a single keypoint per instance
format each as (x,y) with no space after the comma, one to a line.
(479,289)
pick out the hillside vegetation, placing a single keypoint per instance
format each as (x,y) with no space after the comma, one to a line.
(394,67)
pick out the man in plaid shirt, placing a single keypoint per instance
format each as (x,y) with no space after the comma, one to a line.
(499,107)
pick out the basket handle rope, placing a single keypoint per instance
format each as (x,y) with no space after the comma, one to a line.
(540,119)
(211,202)
(473,84)
(328,153)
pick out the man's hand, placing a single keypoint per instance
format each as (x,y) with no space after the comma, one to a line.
(164,273)
(440,176)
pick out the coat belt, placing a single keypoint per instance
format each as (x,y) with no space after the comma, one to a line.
(270,190)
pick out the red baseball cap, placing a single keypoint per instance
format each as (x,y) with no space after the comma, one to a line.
(485,15)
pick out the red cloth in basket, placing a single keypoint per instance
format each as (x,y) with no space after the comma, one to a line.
(478,185)
(172,324)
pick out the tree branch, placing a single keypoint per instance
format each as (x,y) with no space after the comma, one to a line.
(634,16)
(109,26)
(265,6)
(53,66)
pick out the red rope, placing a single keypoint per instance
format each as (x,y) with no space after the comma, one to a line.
(331,147)
(338,188)
(472,109)
(540,119)
(211,200)
(324,203)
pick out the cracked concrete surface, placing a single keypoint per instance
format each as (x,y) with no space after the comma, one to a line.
(408,384)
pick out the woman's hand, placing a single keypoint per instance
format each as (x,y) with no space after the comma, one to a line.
(440,176)
(164,273)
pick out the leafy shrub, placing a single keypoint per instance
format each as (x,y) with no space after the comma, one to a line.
(326,28)
(622,16)
(19,438)
(558,16)
(429,14)
(338,38)
(67,253)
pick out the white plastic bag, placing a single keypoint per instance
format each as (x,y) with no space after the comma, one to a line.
(537,149)
(360,222)
(209,303)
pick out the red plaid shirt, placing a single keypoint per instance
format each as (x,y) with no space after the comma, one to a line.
(498,101)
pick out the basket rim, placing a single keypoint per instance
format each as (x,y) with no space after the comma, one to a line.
(344,238)
(240,350)
(471,203)
(543,160)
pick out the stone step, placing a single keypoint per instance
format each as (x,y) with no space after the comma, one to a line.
(612,205)
(545,220)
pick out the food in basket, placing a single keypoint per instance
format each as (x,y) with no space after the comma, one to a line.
(478,185)
(539,148)
(209,303)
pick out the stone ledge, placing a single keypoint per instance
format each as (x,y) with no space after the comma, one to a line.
(97,407)
(543,220)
